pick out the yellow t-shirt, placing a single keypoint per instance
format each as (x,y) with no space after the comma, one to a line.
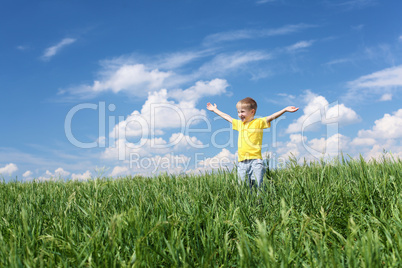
(250,137)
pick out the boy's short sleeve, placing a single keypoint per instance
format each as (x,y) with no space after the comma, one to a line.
(264,123)
(235,124)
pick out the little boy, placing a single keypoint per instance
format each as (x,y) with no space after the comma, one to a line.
(250,137)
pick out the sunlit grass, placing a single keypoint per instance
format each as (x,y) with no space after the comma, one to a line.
(343,213)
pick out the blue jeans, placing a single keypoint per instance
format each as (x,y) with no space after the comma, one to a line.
(254,170)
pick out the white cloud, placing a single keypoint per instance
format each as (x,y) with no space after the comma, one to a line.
(223,160)
(153,165)
(311,113)
(184,142)
(81,177)
(124,75)
(54,160)
(350,5)
(22,48)
(378,83)
(338,61)
(389,146)
(386,97)
(318,111)
(293,147)
(252,34)
(165,61)
(264,1)
(53,50)
(138,75)
(199,90)
(180,59)
(356,4)
(137,134)
(222,63)
(120,171)
(59,173)
(391,77)
(8,169)
(27,174)
(161,112)
(300,45)
(311,150)
(136,79)
(358,27)
(157,113)
(386,135)
(123,149)
(46,178)
(360,141)
(332,146)
(388,127)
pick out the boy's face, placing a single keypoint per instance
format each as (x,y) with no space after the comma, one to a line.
(245,114)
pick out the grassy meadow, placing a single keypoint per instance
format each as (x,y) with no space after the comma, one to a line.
(346,213)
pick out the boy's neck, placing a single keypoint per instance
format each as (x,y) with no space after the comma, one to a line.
(248,121)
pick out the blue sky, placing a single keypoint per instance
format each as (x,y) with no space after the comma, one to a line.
(117,88)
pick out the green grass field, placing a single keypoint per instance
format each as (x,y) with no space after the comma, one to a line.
(346,213)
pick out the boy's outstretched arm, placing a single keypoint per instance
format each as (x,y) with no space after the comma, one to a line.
(213,108)
(290,109)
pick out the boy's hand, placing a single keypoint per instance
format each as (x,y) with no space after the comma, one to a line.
(291,109)
(211,107)
(214,108)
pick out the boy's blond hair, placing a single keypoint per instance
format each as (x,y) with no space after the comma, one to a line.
(247,103)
